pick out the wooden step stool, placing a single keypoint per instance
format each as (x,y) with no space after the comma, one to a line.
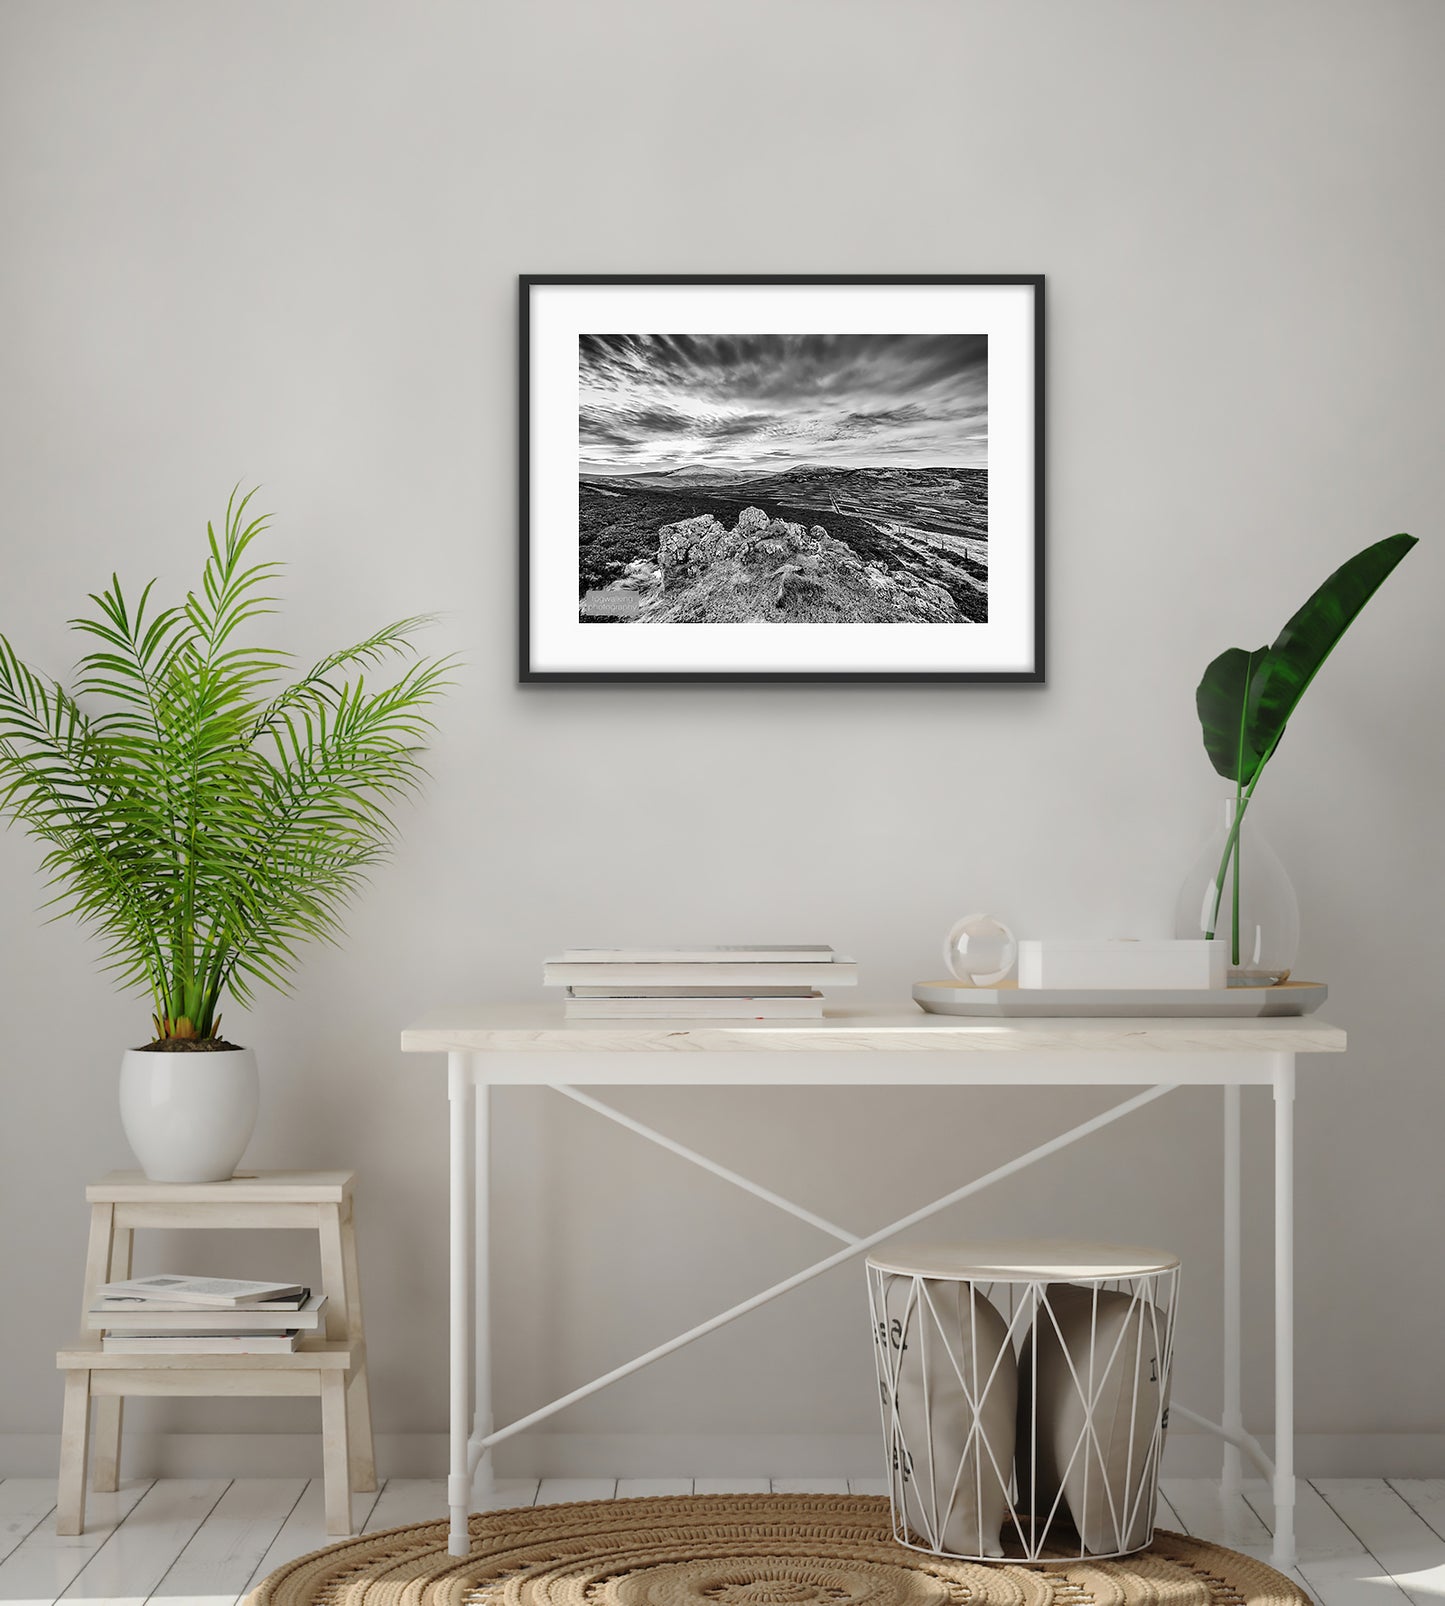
(334,1367)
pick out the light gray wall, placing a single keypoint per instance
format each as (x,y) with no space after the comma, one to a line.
(278,242)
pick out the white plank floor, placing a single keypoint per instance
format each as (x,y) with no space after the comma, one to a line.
(206,1541)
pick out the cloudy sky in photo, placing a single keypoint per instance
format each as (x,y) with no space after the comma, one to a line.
(769,402)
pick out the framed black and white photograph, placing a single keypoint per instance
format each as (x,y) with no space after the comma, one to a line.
(803,479)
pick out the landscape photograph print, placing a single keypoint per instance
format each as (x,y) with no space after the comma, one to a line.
(793,478)
(782,479)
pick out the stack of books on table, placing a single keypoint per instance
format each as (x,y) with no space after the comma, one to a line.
(742,983)
(173,1314)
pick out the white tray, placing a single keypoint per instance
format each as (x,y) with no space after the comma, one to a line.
(1120,1003)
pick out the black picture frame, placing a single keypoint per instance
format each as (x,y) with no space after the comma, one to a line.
(529,674)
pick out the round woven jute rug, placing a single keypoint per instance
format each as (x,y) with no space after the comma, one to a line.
(740,1550)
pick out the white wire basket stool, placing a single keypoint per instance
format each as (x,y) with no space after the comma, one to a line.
(1024,1389)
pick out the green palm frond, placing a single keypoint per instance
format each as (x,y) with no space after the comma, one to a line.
(322,686)
(201,820)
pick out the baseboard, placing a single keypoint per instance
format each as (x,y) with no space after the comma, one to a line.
(641,1455)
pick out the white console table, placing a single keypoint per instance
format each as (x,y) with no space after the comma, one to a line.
(530,1045)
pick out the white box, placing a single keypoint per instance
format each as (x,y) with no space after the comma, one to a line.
(1153,962)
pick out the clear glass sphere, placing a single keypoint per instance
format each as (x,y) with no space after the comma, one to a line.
(980,949)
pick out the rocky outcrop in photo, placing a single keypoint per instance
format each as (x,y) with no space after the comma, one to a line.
(767,570)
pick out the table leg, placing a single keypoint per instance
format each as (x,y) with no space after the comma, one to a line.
(459,1483)
(336,1454)
(358,1391)
(74,1446)
(1233,1415)
(482,1313)
(1284,1543)
(110,1409)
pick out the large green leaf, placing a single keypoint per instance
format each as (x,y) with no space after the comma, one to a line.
(1246,698)
(1301,648)
(1223,703)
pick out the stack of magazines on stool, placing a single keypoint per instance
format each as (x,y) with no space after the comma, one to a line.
(782,982)
(173,1314)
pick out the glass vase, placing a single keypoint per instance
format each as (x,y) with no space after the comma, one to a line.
(1239,891)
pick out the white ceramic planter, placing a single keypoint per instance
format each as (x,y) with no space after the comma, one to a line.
(189,1117)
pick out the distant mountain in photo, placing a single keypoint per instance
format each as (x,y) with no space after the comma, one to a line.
(812,478)
(675,477)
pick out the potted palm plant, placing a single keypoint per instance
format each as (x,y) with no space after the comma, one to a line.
(204,816)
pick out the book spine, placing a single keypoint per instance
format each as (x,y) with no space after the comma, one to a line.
(678,1009)
(126,1324)
(190,1344)
(696,956)
(744,977)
